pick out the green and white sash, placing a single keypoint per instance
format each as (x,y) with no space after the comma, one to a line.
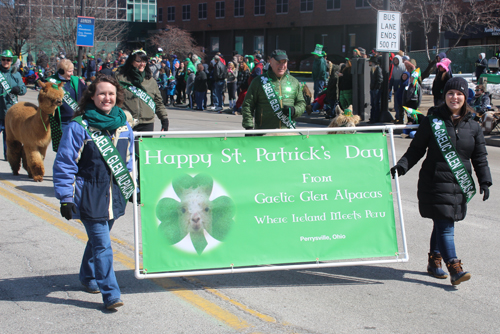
(273,99)
(452,158)
(55,121)
(142,95)
(67,97)
(113,159)
(7,88)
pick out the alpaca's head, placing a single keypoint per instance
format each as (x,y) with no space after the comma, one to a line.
(50,96)
(196,210)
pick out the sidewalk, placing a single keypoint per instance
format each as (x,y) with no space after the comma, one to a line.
(427,102)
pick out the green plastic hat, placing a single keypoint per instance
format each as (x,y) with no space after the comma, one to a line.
(7,54)
(318,51)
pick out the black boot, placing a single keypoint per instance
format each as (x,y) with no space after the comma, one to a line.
(457,275)
(434,267)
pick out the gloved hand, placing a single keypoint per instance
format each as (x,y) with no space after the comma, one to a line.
(288,111)
(164,124)
(398,169)
(131,198)
(484,188)
(15,90)
(67,210)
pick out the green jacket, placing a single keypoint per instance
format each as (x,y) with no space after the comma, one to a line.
(14,78)
(137,107)
(320,70)
(256,103)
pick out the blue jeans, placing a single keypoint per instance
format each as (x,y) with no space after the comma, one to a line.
(2,130)
(375,105)
(218,88)
(201,100)
(319,85)
(443,239)
(97,262)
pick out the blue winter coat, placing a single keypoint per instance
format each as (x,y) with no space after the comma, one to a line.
(13,78)
(81,175)
(170,87)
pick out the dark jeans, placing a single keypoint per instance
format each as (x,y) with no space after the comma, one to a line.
(443,239)
(201,100)
(318,87)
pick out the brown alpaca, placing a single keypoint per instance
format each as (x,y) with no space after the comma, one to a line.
(27,129)
(344,120)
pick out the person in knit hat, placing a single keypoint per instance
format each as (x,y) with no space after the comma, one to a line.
(440,80)
(452,143)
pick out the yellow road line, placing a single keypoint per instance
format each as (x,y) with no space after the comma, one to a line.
(50,205)
(219,294)
(210,308)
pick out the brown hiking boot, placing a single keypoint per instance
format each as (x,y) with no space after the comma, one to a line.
(457,275)
(434,267)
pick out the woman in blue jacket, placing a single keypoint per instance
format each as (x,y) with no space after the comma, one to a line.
(85,184)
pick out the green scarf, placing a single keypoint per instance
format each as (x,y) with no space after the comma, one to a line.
(110,122)
(137,77)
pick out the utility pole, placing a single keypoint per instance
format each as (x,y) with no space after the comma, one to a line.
(385,115)
(80,48)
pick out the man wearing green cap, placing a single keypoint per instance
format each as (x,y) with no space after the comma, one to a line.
(11,86)
(275,98)
(319,70)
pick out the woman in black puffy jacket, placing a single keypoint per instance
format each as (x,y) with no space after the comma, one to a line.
(440,196)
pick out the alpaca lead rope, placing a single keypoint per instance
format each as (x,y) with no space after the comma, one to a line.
(44,126)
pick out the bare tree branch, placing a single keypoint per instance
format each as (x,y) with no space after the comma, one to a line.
(174,40)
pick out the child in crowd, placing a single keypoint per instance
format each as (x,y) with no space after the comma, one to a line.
(170,90)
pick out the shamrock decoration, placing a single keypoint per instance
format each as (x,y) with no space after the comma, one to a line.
(195,212)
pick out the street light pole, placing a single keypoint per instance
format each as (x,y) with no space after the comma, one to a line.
(80,48)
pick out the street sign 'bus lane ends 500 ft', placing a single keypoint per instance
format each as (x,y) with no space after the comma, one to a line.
(85,31)
(388,31)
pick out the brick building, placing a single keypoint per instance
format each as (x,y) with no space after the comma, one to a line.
(265,25)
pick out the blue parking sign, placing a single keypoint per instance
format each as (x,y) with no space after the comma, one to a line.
(85,31)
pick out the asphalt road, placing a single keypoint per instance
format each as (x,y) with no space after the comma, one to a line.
(40,253)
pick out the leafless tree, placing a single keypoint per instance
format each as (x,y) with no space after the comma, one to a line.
(17,25)
(174,40)
(456,16)
(60,27)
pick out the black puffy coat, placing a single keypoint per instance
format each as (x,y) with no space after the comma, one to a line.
(439,195)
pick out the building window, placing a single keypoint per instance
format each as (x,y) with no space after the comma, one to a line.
(238,44)
(282,6)
(214,44)
(306,5)
(362,4)
(220,9)
(352,40)
(170,14)
(160,14)
(186,12)
(202,11)
(239,8)
(332,4)
(260,7)
(258,44)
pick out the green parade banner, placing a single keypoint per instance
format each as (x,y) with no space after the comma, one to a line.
(250,201)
